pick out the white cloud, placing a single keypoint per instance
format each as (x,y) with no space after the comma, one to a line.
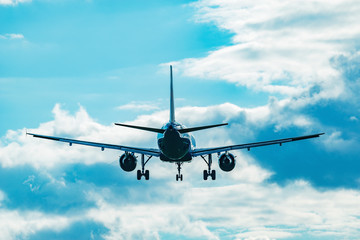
(13,2)
(240,203)
(279,47)
(334,141)
(245,210)
(19,224)
(145,220)
(17,144)
(135,106)
(12,36)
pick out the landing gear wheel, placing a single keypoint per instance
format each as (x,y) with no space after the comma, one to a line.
(138,175)
(143,172)
(147,175)
(179,177)
(205,175)
(213,175)
(209,172)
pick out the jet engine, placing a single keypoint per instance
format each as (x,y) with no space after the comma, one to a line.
(227,162)
(127,162)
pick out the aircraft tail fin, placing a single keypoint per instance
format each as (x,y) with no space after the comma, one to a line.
(172,107)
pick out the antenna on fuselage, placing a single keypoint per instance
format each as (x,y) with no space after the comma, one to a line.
(172,108)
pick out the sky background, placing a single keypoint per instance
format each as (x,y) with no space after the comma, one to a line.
(271,69)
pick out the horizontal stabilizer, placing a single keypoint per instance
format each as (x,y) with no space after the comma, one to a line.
(186,130)
(157,130)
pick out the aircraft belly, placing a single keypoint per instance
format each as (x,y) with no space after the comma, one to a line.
(186,158)
(174,150)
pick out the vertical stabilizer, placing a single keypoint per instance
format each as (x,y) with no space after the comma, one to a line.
(172,108)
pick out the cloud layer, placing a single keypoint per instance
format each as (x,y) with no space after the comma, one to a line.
(280,48)
(83,186)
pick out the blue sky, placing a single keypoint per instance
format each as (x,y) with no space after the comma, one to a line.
(270,69)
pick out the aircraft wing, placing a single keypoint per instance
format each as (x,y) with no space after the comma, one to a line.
(146,151)
(205,151)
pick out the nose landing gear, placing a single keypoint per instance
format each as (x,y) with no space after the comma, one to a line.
(179,175)
(209,172)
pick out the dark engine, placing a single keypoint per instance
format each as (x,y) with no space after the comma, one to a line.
(227,162)
(127,162)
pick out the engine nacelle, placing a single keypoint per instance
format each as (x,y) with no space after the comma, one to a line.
(227,162)
(128,162)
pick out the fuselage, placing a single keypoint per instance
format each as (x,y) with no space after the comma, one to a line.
(174,146)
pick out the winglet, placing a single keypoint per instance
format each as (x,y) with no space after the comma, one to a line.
(172,108)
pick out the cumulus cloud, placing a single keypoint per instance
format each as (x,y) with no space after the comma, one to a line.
(348,65)
(146,220)
(279,48)
(81,126)
(20,224)
(240,204)
(248,211)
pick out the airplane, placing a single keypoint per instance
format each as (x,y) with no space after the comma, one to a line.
(175,145)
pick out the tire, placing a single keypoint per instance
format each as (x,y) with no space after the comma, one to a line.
(213,174)
(138,175)
(147,175)
(177,177)
(181,177)
(205,175)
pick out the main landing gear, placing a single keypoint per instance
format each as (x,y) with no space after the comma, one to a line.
(143,172)
(209,172)
(179,175)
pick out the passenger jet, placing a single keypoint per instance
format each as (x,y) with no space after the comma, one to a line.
(175,145)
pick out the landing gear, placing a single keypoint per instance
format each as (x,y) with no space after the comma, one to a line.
(209,172)
(179,175)
(143,172)
(146,174)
